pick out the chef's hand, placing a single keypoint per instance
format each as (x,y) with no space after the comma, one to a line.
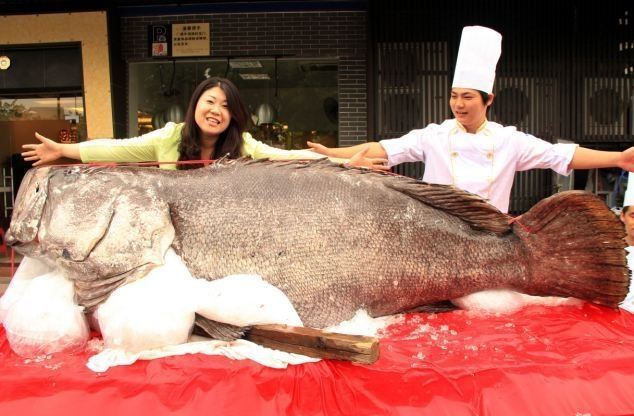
(318,148)
(45,151)
(360,160)
(626,159)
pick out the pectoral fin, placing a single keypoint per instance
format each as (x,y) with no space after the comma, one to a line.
(218,330)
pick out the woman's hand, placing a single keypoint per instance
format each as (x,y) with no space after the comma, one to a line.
(360,160)
(46,151)
(318,148)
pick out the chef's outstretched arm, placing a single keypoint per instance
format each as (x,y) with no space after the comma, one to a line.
(48,151)
(585,158)
(374,150)
(366,155)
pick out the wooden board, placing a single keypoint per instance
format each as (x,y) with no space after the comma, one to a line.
(316,343)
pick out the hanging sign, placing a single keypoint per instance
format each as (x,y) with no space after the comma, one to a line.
(190,39)
(159,37)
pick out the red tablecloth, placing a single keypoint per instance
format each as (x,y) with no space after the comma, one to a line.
(569,361)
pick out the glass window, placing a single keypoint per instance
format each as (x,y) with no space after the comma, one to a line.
(290,100)
(42,108)
(58,117)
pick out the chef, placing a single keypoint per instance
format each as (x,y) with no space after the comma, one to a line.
(469,151)
(627,216)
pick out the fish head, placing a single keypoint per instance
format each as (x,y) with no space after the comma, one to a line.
(99,225)
(104,221)
(27,210)
(104,227)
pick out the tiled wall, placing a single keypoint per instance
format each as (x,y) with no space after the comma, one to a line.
(301,34)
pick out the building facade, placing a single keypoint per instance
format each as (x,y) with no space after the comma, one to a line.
(339,72)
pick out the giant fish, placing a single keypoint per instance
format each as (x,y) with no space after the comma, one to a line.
(333,239)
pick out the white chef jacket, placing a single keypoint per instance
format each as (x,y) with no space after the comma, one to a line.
(628,302)
(483,163)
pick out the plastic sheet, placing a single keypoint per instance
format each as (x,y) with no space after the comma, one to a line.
(538,361)
(151,312)
(45,318)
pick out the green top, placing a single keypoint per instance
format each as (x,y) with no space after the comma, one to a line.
(162,146)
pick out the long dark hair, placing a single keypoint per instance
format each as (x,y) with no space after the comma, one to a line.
(230,141)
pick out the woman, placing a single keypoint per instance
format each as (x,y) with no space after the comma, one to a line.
(469,151)
(214,127)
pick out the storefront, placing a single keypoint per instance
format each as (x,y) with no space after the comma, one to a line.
(291,100)
(300,66)
(342,72)
(54,79)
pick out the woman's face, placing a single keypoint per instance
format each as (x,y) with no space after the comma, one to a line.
(212,113)
(467,107)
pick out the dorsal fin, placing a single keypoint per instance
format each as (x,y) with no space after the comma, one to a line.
(470,208)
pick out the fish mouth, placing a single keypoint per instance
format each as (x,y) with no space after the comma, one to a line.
(29,248)
(12,241)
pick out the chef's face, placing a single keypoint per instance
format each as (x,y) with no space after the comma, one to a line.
(627,216)
(468,107)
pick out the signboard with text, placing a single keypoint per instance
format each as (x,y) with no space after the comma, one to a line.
(190,39)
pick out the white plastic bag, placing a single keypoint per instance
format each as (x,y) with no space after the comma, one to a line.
(152,312)
(628,302)
(45,319)
(506,302)
(29,268)
(244,300)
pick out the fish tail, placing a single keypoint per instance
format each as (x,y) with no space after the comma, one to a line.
(576,248)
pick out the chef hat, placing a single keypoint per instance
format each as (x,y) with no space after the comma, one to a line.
(628,200)
(480,49)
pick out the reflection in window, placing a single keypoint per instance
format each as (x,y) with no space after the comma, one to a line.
(42,108)
(290,100)
(57,117)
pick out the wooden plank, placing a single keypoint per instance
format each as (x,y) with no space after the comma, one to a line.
(316,343)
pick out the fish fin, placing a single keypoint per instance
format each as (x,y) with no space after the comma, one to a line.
(218,330)
(436,307)
(577,248)
(470,208)
(293,163)
(91,290)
